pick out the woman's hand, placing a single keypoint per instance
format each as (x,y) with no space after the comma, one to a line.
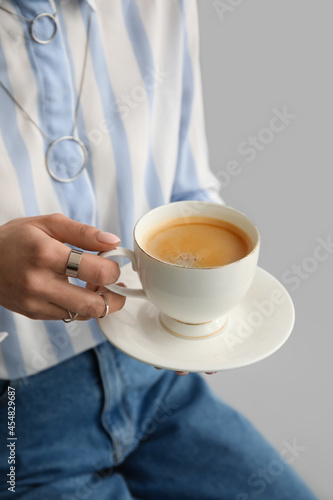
(33,264)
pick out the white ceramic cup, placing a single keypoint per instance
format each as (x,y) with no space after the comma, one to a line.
(193,302)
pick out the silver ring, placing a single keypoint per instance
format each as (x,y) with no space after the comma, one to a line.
(32,27)
(106,312)
(71,317)
(72,268)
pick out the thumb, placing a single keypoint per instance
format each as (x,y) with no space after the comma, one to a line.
(83,236)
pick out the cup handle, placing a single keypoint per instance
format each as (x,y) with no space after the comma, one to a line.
(120,290)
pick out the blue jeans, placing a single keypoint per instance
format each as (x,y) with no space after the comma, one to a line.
(103,426)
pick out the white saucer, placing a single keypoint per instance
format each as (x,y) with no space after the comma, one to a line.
(255,329)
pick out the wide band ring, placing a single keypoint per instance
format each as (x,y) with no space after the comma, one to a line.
(71,317)
(72,268)
(106,312)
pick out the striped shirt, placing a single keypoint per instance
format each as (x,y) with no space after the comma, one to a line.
(140,118)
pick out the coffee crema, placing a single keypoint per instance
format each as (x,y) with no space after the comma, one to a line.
(196,242)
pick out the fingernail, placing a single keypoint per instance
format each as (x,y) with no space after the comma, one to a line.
(108,238)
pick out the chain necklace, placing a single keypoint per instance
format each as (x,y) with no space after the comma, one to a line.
(35,20)
(83,157)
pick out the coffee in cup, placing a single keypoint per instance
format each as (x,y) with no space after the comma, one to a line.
(196,242)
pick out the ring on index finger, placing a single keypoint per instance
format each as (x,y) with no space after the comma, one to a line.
(72,268)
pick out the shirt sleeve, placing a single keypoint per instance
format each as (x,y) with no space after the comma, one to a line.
(194,179)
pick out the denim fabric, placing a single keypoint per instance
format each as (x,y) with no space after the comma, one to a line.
(103,426)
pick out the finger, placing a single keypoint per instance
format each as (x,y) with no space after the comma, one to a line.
(97,270)
(111,303)
(181,374)
(107,296)
(96,306)
(66,230)
(42,310)
(92,268)
(86,303)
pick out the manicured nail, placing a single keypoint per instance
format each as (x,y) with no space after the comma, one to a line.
(107,238)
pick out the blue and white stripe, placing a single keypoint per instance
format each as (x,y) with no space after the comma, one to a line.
(141,119)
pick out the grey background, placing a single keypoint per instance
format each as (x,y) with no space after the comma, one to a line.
(261,55)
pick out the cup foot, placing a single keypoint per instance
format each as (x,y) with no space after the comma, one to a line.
(193,331)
